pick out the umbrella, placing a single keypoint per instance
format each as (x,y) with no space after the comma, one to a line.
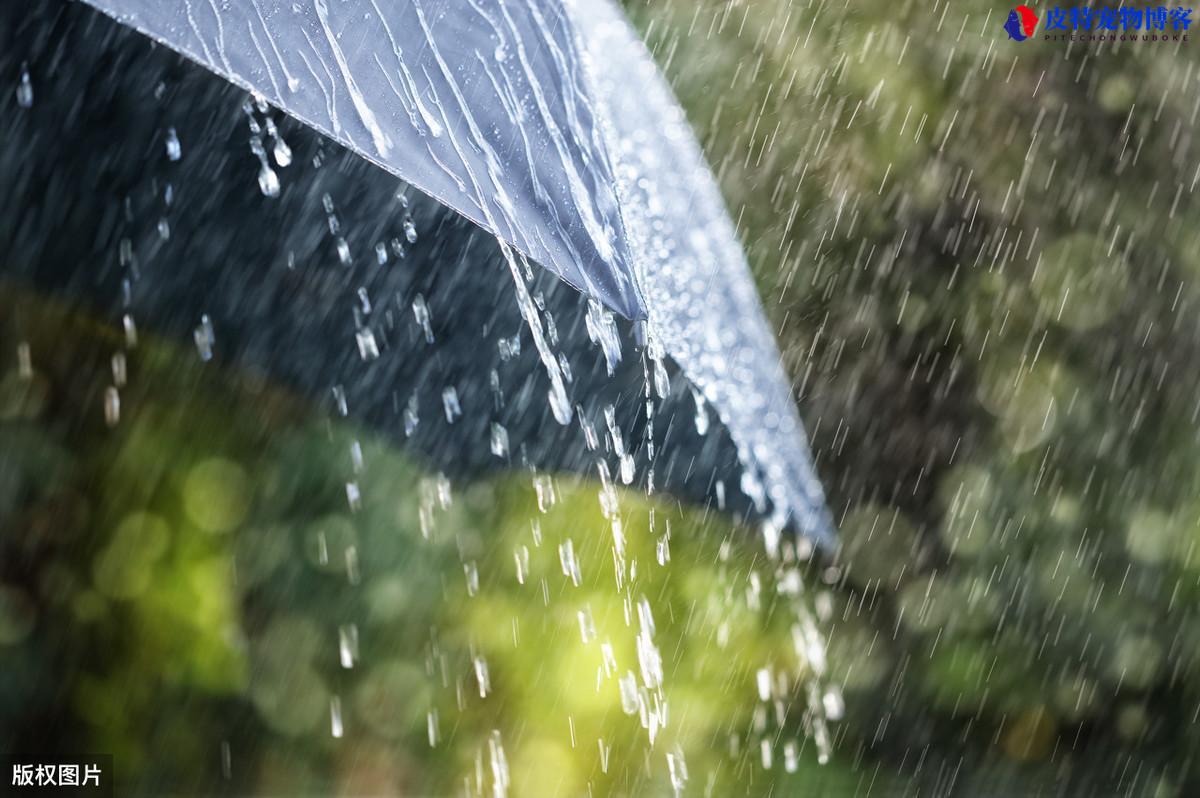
(516,128)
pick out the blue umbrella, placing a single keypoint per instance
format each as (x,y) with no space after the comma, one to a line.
(547,125)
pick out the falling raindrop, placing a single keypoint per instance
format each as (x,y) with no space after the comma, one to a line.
(450,404)
(24,361)
(521,557)
(335,717)
(268,181)
(368,347)
(204,338)
(421,314)
(174,148)
(629,693)
(569,562)
(411,419)
(701,413)
(471,572)
(431,727)
(25,89)
(560,405)
(677,768)
(282,153)
(347,645)
(499,763)
(499,440)
(509,347)
(131,337)
(587,626)
(791,757)
(119,369)
(339,400)
(482,676)
(112,406)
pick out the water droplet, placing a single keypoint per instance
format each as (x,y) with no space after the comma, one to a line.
(543,486)
(411,419)
(662,382)
(499,441)
(602,330)
(834,704)
(335,717)
(509,347)
(471,572)
(347,645)
(677,768)
(500,775)
(268,181)
(119,370)
(587,625)
(421,314)
(569,562)
(701,413)
(112,406)
(339,399)
(482,676)
(24,361)
(431,726)
(369,348)
(627,469)
(174,148)
(521,557)
(131,337)
(450,404)
(791,757)
(560,404)
(763,680)
(204,338)
(282,153)
(629,693)
(25,89)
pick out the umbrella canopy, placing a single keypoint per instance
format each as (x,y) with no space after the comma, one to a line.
(519,118)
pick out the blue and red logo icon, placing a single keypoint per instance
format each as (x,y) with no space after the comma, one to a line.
(1021,23)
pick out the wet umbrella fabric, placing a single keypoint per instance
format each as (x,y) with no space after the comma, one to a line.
(516,116)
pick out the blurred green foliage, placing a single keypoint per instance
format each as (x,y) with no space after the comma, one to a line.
(188,585)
